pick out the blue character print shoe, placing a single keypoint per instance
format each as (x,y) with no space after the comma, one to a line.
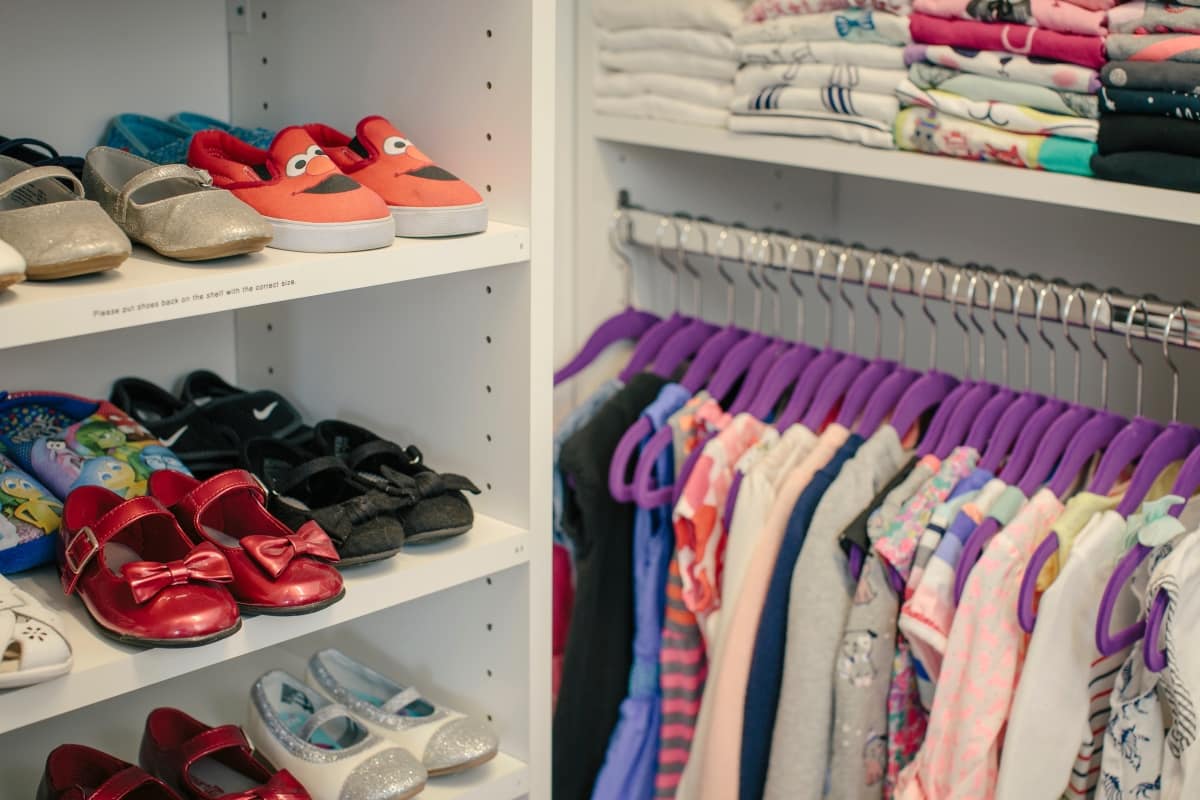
(50,445)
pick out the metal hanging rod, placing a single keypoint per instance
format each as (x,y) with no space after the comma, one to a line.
(1127,315)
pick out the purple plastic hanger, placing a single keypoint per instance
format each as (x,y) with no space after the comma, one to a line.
(941,417)
(1035,427)
(886,401)
(1174,443)
(870,379)
(650,344)
(628,324)
(755,376)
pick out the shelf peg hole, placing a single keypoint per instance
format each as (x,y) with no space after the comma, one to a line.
(270,327)
(264,15)
(489,84)
(270,370)
(489,33)
(489,626)
(265,105)
(489,137)
(489,339)
(264,59)
(489,488)
(489,388)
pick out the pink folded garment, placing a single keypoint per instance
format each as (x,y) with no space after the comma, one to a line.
(1055,15)
(1087,51)
(1096,5)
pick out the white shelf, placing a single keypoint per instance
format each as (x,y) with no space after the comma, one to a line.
(502,778)
(149,288)
(105,669)
(919,168)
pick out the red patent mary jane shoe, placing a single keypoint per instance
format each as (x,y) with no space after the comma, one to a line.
(138,574)
(203,763)
(275,571)
(75,772)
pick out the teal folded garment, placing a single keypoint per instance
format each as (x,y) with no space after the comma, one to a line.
(161,142)
(1071,156)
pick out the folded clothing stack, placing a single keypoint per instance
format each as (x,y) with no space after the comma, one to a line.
(819,69)
(1007,82)
(672,60)
(1150,98)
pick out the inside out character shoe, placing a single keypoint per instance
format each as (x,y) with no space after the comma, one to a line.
(425,200)
(311,204)
(52,444)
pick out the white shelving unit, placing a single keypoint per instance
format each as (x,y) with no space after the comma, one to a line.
(442,343)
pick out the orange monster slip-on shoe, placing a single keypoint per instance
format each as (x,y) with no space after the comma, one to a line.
(425,200)
(311,203)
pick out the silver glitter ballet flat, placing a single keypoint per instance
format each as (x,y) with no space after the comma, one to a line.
(324,746)
(446,740)
(172,208)
(59,234)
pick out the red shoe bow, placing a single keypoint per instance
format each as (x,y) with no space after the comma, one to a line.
(274,553)
(148,578)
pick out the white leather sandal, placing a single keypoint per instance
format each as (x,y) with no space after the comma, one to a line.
(324,746)
(32,646)
(446,740)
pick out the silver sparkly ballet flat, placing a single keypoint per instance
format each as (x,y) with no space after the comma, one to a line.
(324,746)
(59,234)
(446,740)
(172,208)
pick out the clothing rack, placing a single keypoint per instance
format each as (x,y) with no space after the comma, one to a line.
(1112,310)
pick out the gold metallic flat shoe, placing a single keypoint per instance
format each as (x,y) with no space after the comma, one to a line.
(59,234)
(172,208)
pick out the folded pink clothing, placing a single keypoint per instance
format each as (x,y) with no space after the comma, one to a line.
(1087,51)
(1055,15)
(1096,5)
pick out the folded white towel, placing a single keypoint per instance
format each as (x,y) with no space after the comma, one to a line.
(851,25)
(648,106)
(848,102)
(812,124)
(698,91)
(706,15)
(755,77)
(668,62)
(701,43)
(880,56)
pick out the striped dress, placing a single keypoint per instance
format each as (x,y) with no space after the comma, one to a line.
(684,668)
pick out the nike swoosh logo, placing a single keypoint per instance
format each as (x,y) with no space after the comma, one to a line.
(261,414)
(174,437)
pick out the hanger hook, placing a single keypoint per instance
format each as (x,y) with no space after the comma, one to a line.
(995,290)
(1077,375)
(747,254)
(1129,346)
(866,270)
(1106,299)
(972,283)
(1020,285)
(1047,289)
(620,232)
(817,263)
(900,322)
(789,262)
(840,274)
(663,224)
(1166,339)
(766,262)
(681,253)
(731,285)
(929,270)
(958,276)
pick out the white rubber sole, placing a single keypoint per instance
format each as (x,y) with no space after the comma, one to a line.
(420,223)
(332,237)
(30,677)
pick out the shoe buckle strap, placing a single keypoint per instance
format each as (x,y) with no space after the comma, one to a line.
(212,741)
(197,501)
(322,717)
(401,701)
(80,547)
(158,174)
(35,174)
(123,783)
